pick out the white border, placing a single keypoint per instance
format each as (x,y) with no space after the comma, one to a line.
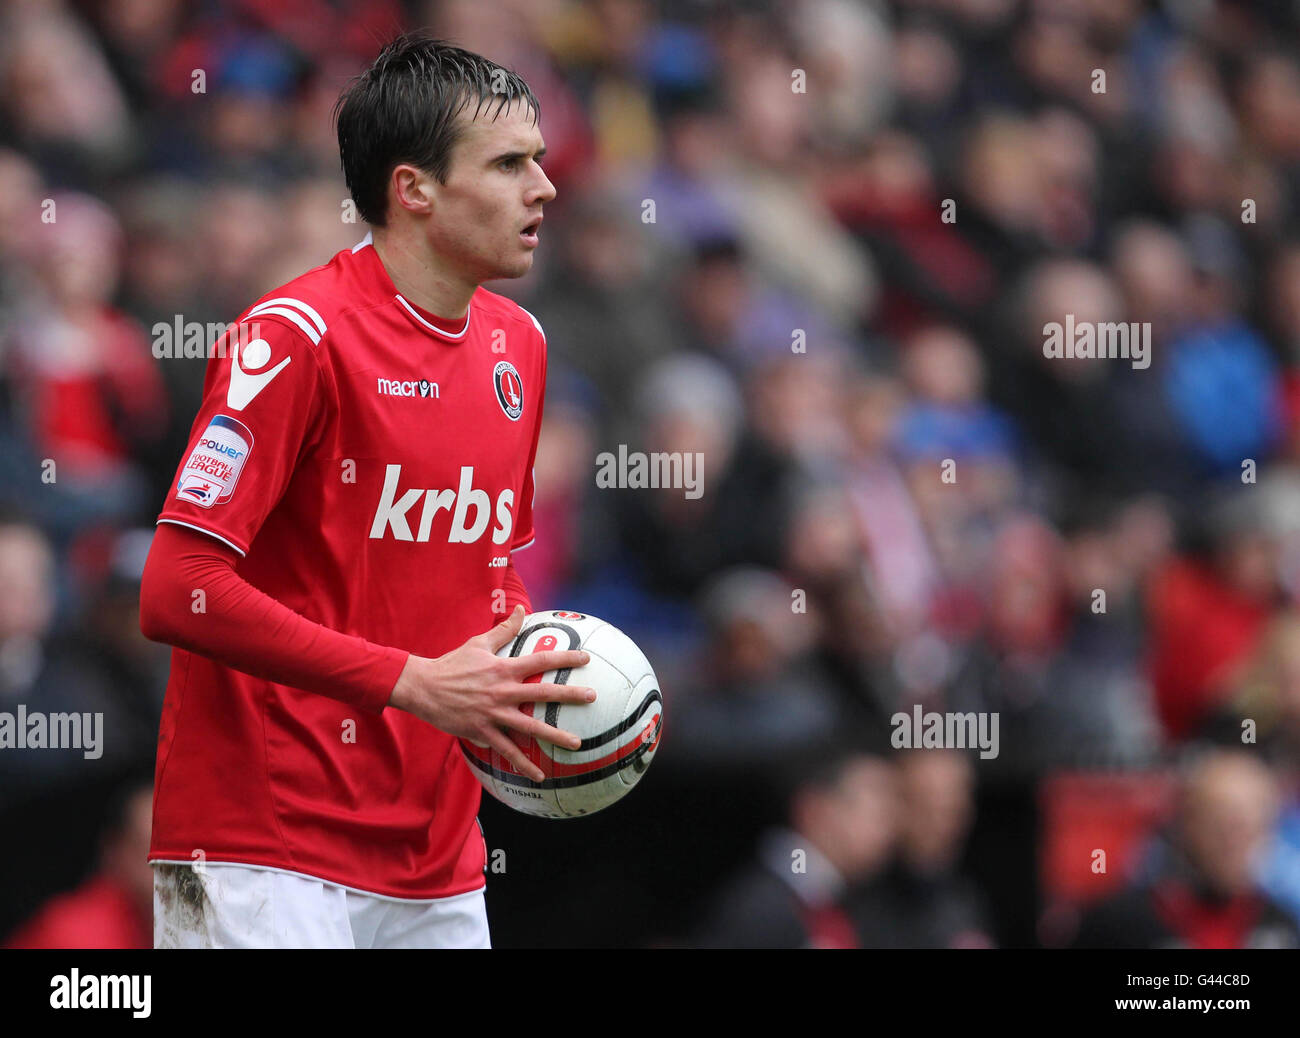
(469,311)
(177,522)
(535,321)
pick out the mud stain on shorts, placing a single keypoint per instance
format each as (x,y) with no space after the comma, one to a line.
(183,899)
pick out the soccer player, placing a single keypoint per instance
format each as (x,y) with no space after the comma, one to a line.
(335,553)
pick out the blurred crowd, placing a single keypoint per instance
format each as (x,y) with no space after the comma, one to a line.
(815,242)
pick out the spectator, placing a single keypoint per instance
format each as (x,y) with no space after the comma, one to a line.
(1200,890)
(1208,611)
(923,900)
(93,398)
(843,818)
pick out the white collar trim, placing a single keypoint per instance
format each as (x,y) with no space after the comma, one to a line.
(469,312)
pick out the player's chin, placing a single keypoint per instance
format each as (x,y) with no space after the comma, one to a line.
(515,266)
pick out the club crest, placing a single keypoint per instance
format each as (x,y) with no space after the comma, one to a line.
(509,389)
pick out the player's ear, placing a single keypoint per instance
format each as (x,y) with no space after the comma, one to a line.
(411,188)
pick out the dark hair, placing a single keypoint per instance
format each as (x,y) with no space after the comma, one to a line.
(404,108)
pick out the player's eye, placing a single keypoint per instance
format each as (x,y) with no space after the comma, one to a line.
(508,164)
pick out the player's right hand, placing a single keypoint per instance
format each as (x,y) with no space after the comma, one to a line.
(473,693)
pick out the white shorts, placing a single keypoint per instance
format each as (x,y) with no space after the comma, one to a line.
(247,906)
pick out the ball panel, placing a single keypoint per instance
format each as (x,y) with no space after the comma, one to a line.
(619,650)
(647,705)
(499,778)
(590,722)
(594,784)
(567,630)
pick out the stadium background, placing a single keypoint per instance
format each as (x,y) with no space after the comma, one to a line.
(798,311)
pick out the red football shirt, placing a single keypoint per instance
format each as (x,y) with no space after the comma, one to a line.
(373,465)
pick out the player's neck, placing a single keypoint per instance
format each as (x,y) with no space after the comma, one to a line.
(420,275)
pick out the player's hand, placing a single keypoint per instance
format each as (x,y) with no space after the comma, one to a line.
(473,693)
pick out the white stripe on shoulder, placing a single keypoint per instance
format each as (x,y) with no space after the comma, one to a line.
(367,240)
(293,315)
(536,323)
(297,303)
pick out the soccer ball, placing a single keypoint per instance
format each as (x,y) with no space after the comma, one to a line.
(619,731)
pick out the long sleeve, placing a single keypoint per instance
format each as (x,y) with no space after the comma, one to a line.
(248,630)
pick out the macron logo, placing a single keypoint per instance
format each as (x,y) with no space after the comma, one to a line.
(422,388)
(245,381)
(459,503)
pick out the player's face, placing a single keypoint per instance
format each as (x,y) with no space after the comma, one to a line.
(486,214)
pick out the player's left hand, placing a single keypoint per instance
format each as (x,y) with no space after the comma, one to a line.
(473,693)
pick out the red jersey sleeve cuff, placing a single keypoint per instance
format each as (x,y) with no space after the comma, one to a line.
(387,670)
(241,548)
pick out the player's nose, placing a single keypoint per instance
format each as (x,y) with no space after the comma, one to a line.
(544,191)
